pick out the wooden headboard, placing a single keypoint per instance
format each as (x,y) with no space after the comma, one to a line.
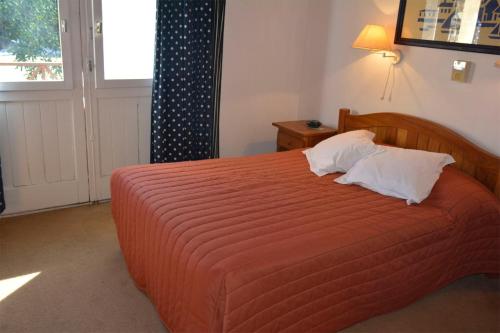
(415,133)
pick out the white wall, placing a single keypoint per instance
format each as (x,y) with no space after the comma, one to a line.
(263,69)
(355,78)
(292,59)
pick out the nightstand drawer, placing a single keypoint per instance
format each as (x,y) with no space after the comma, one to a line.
(289,142)
(296,134)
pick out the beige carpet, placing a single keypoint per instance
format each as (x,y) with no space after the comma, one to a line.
(83,284)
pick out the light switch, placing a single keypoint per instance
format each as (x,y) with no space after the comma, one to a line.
(460,70)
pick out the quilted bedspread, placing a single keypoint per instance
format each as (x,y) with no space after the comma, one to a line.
(261,244)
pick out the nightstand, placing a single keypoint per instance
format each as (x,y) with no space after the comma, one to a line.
(296,134)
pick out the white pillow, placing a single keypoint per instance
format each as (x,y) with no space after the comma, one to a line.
(402,173)
(340,152)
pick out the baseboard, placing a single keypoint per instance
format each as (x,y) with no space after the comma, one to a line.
(53,208)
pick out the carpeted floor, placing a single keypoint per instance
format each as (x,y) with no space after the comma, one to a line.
(82,284)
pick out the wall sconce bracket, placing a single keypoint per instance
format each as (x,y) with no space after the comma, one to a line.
(394,54)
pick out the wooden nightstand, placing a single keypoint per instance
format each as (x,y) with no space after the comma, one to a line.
(296,134)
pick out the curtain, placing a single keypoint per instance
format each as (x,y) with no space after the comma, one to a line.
(2,200)
(186,81)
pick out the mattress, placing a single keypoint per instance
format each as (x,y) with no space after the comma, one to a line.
(260,244)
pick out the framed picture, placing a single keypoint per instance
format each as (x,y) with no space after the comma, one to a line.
(465,25)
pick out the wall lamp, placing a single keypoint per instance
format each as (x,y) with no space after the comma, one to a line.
(374,38)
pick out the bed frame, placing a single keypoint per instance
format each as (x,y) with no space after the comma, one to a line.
(415,133)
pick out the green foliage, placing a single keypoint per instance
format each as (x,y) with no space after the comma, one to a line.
(29,29)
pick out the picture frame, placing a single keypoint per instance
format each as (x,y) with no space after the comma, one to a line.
(463,25)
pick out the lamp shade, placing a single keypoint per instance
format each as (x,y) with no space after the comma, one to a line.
(374,38)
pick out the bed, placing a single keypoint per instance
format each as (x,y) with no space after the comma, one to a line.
(260,244)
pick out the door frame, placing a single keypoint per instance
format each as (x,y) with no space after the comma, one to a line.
(86,38)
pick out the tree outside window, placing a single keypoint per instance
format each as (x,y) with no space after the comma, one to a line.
(30,46)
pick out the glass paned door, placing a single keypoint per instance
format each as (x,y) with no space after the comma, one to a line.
(122,46)
(42,118)
(33,39)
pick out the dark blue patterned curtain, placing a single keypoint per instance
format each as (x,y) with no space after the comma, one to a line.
(186,83)
(2,201)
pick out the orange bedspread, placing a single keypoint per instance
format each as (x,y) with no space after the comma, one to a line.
(261,244)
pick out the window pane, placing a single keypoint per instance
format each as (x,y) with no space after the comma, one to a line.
(30,44)
(128,39)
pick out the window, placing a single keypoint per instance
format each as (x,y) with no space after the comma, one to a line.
(128,46)
(30,41)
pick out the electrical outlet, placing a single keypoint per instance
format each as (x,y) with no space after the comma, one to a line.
(460,70)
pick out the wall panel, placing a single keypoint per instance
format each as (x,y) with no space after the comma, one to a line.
(38,151)
(124,135)
(66,137)
(17,153)
(34,142)
(50,139)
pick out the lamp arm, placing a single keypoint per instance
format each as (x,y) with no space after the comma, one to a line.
(396,54)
